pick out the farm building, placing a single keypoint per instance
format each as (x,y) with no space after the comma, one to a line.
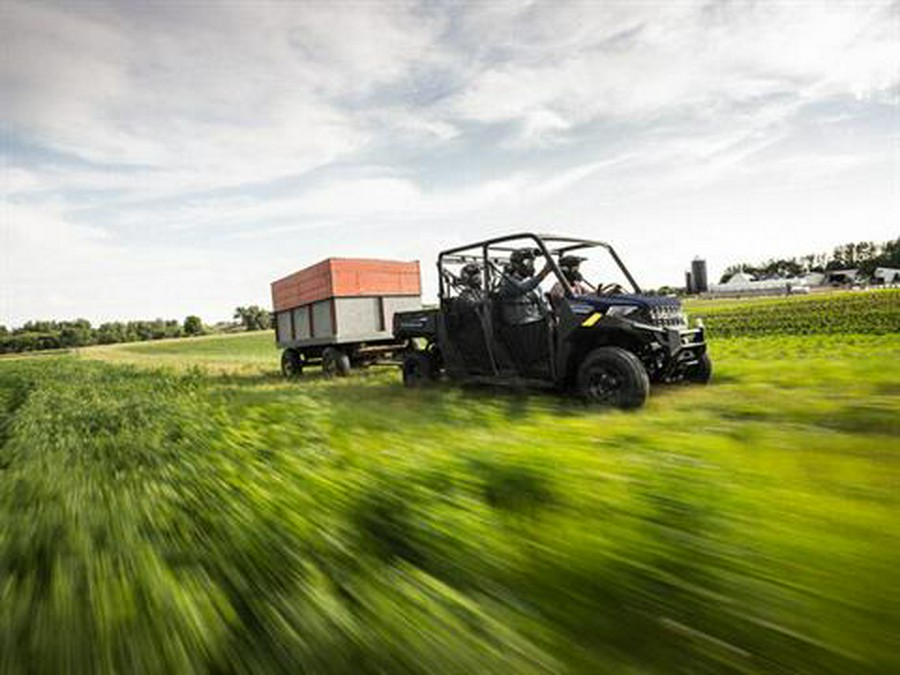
(744,284)
(886,275)
(814,278)
(842,277)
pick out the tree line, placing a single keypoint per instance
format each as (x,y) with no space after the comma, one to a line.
(41,335)
(864,256)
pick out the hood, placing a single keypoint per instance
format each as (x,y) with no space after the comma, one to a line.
(648,301)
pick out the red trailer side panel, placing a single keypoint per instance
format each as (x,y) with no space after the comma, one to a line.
(353,277)
(346,277)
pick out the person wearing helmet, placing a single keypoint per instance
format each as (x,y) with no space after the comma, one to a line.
(466,319)
(568,265)
(522,304)
(524,327)
(470,282)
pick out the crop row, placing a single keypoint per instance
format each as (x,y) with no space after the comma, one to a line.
(872,312)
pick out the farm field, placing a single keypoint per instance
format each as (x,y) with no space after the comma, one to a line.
(872,312)
(221,520)
(238,352)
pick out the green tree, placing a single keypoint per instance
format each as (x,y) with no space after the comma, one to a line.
(157,329)
(891,255)
(111,333)
(193,326)
(173,329)
(76,333)
(253,317)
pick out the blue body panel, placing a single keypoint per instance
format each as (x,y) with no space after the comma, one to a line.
(590,302)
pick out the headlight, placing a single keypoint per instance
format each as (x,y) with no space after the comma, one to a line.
(622,310)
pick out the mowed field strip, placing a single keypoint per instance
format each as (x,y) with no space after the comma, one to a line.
(238,352)
(177,506)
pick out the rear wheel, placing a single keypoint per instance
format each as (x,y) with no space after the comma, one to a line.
(701,372)
(418,370)
(335,362)
(615,377)
(291,363)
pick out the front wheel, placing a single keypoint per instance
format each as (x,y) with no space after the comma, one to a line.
(291,363)
(615,377)
(701,372)
(335,362)
(418,370)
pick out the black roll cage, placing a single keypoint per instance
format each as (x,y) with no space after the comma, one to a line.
(559,247)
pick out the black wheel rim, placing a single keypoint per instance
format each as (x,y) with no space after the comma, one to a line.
(604,385)
(329,366)
(290,366)
(413,373)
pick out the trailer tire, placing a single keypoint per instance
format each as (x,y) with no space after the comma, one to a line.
(335,362)
(613,376)
(291,363)
(418,370)
(701,372)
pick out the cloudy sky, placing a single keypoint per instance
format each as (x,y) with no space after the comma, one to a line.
(160,159)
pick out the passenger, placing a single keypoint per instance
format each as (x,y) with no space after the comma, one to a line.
(521,303)
(525,329)
(569,265)
(467,320)
(471,281)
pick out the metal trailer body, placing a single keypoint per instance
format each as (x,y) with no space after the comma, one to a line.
(342,310)
(340,321)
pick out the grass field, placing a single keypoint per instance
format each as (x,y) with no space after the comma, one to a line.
(239,352)
(225,521)
(872,312)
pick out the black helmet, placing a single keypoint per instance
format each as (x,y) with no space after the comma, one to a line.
(568,264)
(571,261)
(470,275)
(521,262)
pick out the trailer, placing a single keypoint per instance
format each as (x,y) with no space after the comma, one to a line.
(339,313)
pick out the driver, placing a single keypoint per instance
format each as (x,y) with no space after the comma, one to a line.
(569,265)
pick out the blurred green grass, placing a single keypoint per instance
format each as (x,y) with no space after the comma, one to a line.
(231,522)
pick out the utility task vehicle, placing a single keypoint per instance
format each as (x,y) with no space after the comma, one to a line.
(498,323)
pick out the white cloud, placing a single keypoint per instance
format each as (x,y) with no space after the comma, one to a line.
(421,126)
(169,141)
(375,199)
(683,58)
(242,94)
(54,268)
(17,180)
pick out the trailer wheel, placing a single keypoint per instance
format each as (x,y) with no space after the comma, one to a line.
(335,362)
(613,376)
(700,373)
(418,370)
(291,363)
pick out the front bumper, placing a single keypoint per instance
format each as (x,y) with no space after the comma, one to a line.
(673,351)
(685,339)
(677,340)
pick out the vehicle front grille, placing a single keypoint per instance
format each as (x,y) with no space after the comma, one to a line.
(671,316)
